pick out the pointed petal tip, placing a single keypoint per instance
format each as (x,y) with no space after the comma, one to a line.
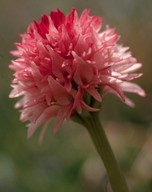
(142,93)
(31,129)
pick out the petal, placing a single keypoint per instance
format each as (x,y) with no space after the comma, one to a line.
(132,88)
(129,102)
(57,61)
(16,92)
(115,89)
(87,107)
(59,92)
(82,77)
(64,113)
(94,92)
(126,67)
(86,21)
(43,131)
(57,18)
(46,115)
(59,119)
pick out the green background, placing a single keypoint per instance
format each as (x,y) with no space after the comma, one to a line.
(68,162)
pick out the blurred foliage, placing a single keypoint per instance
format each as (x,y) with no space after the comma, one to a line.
(68,162)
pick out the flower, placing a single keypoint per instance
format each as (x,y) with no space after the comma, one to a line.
(65,62)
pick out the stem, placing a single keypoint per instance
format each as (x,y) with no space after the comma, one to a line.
(103,147)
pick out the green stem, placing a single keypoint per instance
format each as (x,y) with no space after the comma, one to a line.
(93,125)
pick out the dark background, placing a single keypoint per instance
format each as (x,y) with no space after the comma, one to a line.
(68,162)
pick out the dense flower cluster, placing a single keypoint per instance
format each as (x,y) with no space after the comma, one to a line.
(62,61)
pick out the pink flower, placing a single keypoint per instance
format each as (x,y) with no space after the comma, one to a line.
(64,60)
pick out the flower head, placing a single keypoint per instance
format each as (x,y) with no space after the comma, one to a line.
(64,60)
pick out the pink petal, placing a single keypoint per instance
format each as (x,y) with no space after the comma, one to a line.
(94,92)
(132,88)
(82,77)
(16,92)
(129,102)
(57,18)
(57,61)
(43,131)
(88,108)
(46,115)
(59,92)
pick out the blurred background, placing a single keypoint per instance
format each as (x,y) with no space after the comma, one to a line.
(68,162)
